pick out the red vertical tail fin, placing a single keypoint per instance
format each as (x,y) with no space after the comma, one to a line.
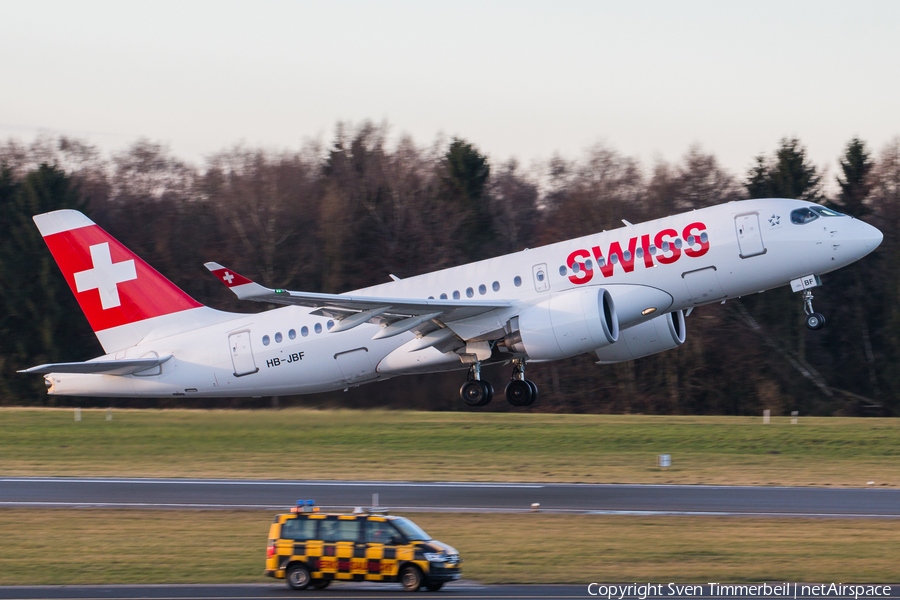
(123,298)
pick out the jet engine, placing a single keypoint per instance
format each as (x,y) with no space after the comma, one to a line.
(566,324)
(656,335)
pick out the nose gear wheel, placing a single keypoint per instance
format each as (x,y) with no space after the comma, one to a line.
(814,320)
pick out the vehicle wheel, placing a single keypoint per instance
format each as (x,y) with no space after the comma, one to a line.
(534,392)
(518,392)
(433,586)
(815,321)
(411,578)
(488,392)
(321,584)
(298,577)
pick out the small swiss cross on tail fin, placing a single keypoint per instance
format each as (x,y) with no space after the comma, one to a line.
(122,297)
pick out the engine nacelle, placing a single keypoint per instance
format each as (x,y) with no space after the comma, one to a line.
(656,335)
(564,325)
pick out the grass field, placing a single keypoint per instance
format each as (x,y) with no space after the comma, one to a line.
(118,546)
(397,445)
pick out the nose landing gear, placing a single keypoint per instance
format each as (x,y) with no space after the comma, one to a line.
(814,320)
(520,391)
(474,391)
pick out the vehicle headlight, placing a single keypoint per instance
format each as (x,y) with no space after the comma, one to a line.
(435,557)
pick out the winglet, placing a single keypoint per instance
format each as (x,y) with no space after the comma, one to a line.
(242,287)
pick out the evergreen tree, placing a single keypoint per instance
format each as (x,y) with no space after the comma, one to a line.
(791,176)
(41,322)
(855,184)
(467,173)
(758,180)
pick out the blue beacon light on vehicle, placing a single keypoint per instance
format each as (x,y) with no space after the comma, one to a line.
(305,506)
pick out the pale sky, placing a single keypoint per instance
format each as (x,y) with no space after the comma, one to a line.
(518,79)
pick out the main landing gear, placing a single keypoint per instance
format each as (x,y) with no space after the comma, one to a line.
(475,391)
(814,320)
(519,391)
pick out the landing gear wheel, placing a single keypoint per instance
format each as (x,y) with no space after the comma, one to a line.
(298,577)
(411,578)
(476,392)
(519,393)
(815,321)
(534,392)
(433,586)
(321,584)
(490,392)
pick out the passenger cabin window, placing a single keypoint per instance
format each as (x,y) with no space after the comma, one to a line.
(278,337)
(292,334)
(443,296)
(482,289)
(304,331)
(456,295)
(469,292)
(495,286)
(339,530)
(299,529)
(318,327)
(802,216)
(517,281)
(265,340)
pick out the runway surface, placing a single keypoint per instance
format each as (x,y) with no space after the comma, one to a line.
(451,496)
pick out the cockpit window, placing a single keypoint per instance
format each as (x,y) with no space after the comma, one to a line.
(827,212)
(802,216)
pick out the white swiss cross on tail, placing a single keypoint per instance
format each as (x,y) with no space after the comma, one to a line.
(105,277)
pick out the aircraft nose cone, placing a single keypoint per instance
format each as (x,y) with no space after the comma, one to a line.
(871,236)
(877,236)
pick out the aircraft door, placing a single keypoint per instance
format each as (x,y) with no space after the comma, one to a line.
(541,278)
(242,354)
(749,235)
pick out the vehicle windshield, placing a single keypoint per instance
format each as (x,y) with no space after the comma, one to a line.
(827,212)
(413,532)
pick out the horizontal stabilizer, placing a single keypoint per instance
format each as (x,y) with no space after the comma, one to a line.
(125,366)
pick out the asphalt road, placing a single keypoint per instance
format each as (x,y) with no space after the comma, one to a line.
(437,496)
(461,590)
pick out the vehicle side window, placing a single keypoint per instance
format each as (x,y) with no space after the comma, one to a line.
(299,529)
(379,532)
(802,216)
(339,530)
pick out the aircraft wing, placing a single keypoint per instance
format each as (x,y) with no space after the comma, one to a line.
(125,366)
(395,314)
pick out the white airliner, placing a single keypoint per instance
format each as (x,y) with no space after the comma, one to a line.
(622,294)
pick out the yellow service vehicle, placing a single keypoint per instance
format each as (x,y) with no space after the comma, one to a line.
(307,547)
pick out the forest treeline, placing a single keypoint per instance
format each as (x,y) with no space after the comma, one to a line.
(347,215)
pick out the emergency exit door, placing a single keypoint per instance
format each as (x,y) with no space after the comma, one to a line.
(541,279)
(749,236)
(242,354)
